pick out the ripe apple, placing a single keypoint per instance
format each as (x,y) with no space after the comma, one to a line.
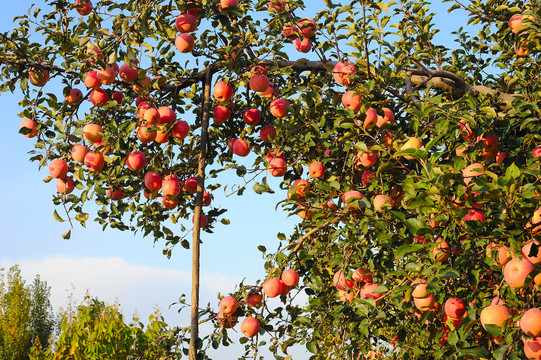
(30,127)
(290,277)
(228,305)
(285,288)
(421,289)
(442,251)
(203,221)
(272,287)
(471,171)
(127,73)
(411,143)
(526,252)
(503,254)
(367,291)
(532,348)
(94,161)
(190,185)
(180,130)
(362,276)
(455,308)
(136,161)
(530,322)
(58,168)
(184,43)
(38,77)
(307,27)
(83,7)
(515,23)
(151,116)
(350,197)
(277,167)
(186,23)
(91,80)
(78,152)
(304,45)
(153,181)
(252,117)
(278,107)
(426,303)
(270,92)
(267,133)
(241,147)
(207,198)
(169,203)
(290,32)
(162,136)
(144,135)
(474,215)
(277,5)
(167,115)
(495,315)
(106,76)
(226,321)
(343,73)
(367,176)
(74,97)
(371,118)
(351,100)
(65,186)
(227,3)
(98,97)
(316,169)
(340,282)
(388,116)
(299,188)
(221,114)
(386,139)
(366,158)
(250,327)
(274,153)
(170,186)
(259,81)
(490,142)
(254,300)
(223,92)
(115,194)
(516,273)
(92,132)
(381,201)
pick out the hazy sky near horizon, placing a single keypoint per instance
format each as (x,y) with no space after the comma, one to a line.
(120,265)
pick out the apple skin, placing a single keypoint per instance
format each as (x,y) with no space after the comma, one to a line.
(184,43)
(65,186)
(167,115)
(38,77)
(259,83)
(78,152)
(153,181)
(277,5)
(98,97)
(180,130)
(367,177)
(303,46)
(290,32)
(92,132)
(290,277)
(221,114)
(250,326)
(227,3)
(91,80)
(421,289)
(127,73)
(516,272)
(475,215)
(411,143)
(141,85)
(190,185)
(241,147)
(342,72)
(495,315)
(58,168)
(442,251)
(532,348)
(106,76)
(530,322)
(228,305)
(471,171)
(380,200)
(362,276)
(170,203)
(30,125)
(223,92)
(186,23)
(299,188)
(254,300)
(74,97)
(351,100)
(94,161)
(307,27)
(371,118)
(340,282)
(272,287)
(285,288)
(536,260)
(267,133)
(277,167)
(426,303)
(115,194)
(367,291)
(351,196)
(83,7)
(388,116)
(252,117)
(170,187)
(203,221)
(151,116)
(316,169)
(226,321)
(278,107)
(502,257)
(144,135)
(136,161)
(455,308)
(515,23)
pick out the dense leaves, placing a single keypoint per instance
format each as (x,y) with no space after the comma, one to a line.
(431,165)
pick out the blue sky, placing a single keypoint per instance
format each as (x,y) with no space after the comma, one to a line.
(113,264)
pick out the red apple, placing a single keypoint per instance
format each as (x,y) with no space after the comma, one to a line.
(290,277)
(316,169)
(128,74)
(307,27)
(515,23)
(351,196)
(278,107)
(106,76)
(367,291)
(118,97)
(98,97)
(495,315)
(426,303)
(474,215)
(367,176)
(241,147)
(170,186)
(252,117)
(136,161)
(203,221)
(290,32)
(259,82)
(223,92)
(371,118)
(186,23)
(254,299)
(190,185)
(226,321)
(38,77)
(299,188)
(516,273)
(382,200)
(153,181)
(180,130)
(94,161)
(343,72)
(272,287)
(411,143)
(304,45)
(91,80)
(144,135)
(58,168)
(74,97)
(92,132)
(267,133)
(277,5)
(167,115)
(228,305)
(30,127)
(362,276)
(351,100)
(221,114)
(340,282)
(532,348)
(227,3)
(65,186)
(83,7)
(471,171)
(250,327)
(169,203)
(78,152)
(184,43)
(277,167)
(530,322)
(455,308)
(526,252)
(115,194)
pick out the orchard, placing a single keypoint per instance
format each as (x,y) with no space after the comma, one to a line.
(413,167)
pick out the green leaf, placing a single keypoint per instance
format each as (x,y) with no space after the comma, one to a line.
(494,330)
(512,172)
(66,235)
(57,217)
(477,351)
(383,7)
(406,249)
(312,347)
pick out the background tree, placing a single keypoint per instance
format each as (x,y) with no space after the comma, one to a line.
(26,317)
(423,183)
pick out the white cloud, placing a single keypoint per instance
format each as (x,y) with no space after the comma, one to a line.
(110,279)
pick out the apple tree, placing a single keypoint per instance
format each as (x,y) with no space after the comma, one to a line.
(412,165)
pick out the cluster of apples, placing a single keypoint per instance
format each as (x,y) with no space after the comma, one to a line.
(300,34)
(515,24)
(361,286)
(228,316)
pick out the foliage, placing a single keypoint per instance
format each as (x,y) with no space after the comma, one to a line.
(97,330)
(26,317)
(455,101)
